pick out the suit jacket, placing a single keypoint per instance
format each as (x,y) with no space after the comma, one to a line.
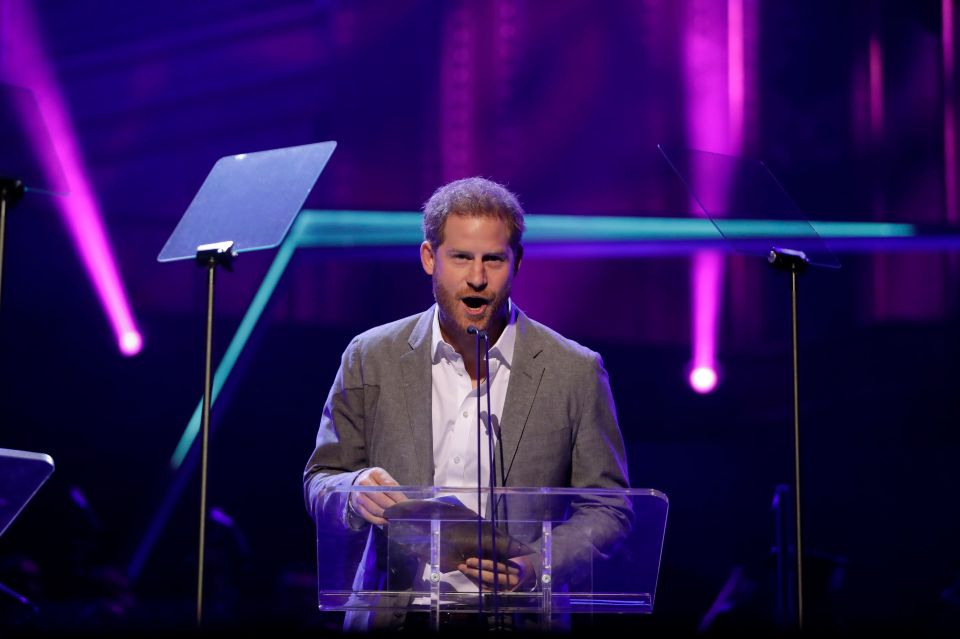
(558,428)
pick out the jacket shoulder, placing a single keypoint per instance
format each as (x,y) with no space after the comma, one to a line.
(556,345)
(387,337)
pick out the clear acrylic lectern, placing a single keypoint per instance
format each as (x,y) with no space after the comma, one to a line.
(590,551)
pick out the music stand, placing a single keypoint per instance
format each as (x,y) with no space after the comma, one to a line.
(28,161)
(22,474)
(744,200)
(247,203)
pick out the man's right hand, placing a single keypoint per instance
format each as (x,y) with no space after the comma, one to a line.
(370,505)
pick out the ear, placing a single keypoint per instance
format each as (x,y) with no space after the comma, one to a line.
(517,257)
(427,258)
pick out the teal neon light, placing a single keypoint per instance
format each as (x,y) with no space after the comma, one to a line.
(314,229)
(378,228)
(240,338)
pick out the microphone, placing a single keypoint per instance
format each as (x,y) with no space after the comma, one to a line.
(473,330)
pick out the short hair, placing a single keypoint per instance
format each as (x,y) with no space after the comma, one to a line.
(474,196)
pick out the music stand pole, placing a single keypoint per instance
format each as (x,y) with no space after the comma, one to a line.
(208,256)
(11,191)
(795,262)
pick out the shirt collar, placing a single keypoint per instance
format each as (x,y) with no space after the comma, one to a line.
(502,350)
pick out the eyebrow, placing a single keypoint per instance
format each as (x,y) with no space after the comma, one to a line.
(498,254)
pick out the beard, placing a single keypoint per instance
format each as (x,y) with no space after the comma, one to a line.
(454,315)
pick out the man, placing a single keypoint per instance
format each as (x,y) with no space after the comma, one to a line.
(402,409)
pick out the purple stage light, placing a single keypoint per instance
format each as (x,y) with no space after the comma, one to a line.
(707,283)
(28,67)
(703,380)
(131,343)
(949,121)
(735,73)
(876,87)
(714,59)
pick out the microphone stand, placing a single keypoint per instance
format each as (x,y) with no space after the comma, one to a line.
(476,332)
(493,485)
(492,474)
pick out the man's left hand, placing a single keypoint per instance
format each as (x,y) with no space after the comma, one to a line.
(517,574)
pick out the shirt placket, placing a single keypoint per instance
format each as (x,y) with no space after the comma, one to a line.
(464,418)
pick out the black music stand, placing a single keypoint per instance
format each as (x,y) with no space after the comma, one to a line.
(756,216)
(247,203)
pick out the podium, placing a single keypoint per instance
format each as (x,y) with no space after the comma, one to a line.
(593,551)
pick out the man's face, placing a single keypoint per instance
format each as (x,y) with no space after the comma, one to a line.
(472,272)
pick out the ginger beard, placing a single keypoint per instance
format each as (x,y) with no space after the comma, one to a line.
(485,310)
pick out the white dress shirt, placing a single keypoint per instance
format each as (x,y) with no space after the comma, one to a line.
(454,411)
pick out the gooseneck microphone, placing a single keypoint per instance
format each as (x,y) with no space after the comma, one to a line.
(485,338)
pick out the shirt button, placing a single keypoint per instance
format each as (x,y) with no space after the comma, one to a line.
(456,460)
(466,414)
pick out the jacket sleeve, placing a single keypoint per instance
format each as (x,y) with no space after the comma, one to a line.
(597,524)
(340,454)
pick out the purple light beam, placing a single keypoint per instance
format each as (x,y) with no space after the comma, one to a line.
(949,121)
(80,211)
(715,83)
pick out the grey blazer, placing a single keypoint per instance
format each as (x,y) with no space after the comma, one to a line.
(558,428)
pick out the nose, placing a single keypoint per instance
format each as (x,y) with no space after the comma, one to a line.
(477,275)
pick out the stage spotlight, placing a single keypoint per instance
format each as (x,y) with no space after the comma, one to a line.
(131,343)
(703,379)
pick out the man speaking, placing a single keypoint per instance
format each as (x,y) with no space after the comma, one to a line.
(403,406)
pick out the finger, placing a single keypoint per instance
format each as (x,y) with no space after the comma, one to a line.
(486,577)
(369,516)
(501,579)
(487,572)
(382,500)
(397,497)
(394,497)
(380,477)
(488,565)
(376,477)
(369,503)
(501,567)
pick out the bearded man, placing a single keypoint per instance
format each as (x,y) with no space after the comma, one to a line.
(403,407)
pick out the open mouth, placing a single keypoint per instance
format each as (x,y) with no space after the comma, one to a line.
(474,303)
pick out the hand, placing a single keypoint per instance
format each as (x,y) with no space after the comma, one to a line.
(371,505)
(516,573)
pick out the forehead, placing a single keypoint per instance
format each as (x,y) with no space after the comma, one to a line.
(488,231)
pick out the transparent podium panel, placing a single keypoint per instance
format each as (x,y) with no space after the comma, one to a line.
(555,551)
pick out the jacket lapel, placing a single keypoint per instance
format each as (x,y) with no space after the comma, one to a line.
(417,381)
(525,380)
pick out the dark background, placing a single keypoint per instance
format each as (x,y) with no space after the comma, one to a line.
(565,103)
